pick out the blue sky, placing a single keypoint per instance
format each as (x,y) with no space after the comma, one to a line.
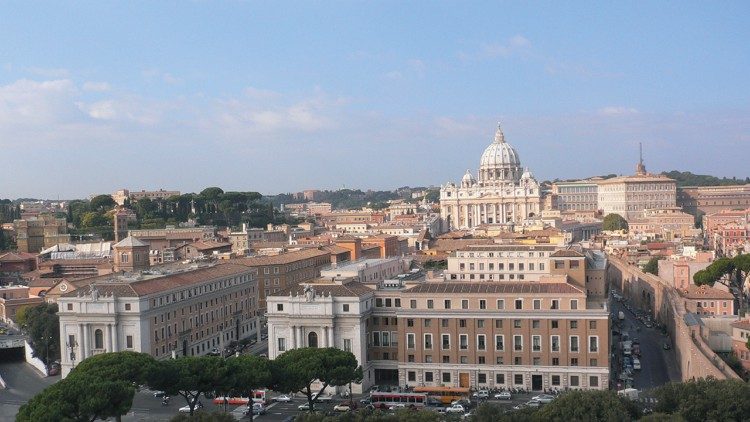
(284,96)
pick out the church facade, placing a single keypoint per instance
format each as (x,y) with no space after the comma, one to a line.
(502,193)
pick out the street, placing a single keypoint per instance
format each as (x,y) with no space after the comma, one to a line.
(659,366)
(23,382)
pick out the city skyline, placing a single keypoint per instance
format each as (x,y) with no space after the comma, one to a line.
(281,98)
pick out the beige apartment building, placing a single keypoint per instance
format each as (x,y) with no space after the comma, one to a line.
(629,196)
(579,195)
(183,313)
(664,223)
(500,262)
(34,234)
(278,272)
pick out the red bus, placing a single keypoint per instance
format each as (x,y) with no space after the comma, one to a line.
(259,396)
(382,400)
(445,395)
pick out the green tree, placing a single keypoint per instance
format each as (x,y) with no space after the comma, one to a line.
(661,417)
(188,376)
(126,366)
(204,417)
(93,219)
(731,272)
(705,400)
(245,373)
(42,325)
(652,266)
(297,369)
(590,405)
(79,398)
(614,222)
(102,203)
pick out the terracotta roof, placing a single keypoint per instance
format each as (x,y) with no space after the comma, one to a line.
(119,289)
(494,287)
(567,253)
(742,324)
(370,246)
(328,288)
(45,282)
(284,258)
(187,278)
(335,249)
(129,242)
(16,257)
(705,292)
(454,244)
(203,245)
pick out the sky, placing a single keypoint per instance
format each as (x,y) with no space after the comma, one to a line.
(278,96)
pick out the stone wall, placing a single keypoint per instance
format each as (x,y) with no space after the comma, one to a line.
(652,294)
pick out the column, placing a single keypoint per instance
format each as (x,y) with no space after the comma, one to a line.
(79,354)
(85,343)
(109,338)
(301,341)
(325,336)
(115,340)
(293,340)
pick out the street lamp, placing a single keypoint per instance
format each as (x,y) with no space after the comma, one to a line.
(71,346)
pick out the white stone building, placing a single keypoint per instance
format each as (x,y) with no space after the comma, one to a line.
(503,192)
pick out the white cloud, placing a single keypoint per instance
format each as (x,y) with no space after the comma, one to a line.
(96,86)
(617,111)
(514,45)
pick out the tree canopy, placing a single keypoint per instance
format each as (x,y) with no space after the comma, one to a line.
(298,369)
(652,266)
(705,400)
(614,222)
(686,178)
(189,376)
(42,325)
(731,272)
(579,405)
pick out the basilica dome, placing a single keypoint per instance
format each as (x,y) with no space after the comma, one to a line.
(500,162)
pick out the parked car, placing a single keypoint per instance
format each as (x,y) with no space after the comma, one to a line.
(214,352)
(304,406)
(259,409)
(503,395)
(365,400)
(482,394)
(543,398)
(636,364)
(533,403)
(342,407)
(283,398)
(456,408)
(159,394)
(397,406)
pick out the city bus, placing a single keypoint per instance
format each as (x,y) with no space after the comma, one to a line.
(259,396)
(445,395)
(383,400)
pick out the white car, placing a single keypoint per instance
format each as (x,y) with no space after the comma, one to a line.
(342,407)
(503,395)
(533,403)
(636,364)
(186,409)
(456,408)
(482,394)
(544,398)
(283,398)
(304,406)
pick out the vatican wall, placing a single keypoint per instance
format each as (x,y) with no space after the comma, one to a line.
(649,292)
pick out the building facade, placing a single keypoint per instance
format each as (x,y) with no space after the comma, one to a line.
(503,192)
(629,196)
(581,195)
(37,233)
(697,200)
(187,313)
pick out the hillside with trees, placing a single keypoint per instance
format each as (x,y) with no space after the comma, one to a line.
(686,178)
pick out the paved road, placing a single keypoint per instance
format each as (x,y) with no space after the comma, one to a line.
(659,366)
(23,383)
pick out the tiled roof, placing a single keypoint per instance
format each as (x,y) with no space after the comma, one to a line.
(203,245)
(327,288)
(494,287)
(567,253)
(705,292)
(16,257)
(187,278)
(129,241)
(742,324)
(335,249)
(119,289)
(284,258)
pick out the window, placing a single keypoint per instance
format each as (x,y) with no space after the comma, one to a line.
(412,376)
(463,341)
(430,304)
(446,342)
(574,304)
(428,341)
(410,358)
(499,378)
(537,304)
(280,307)
(516,323)
(555,361)
(482,360)
(592,325)
(410,341)
(518,379)
(128,342)
(500,342)
(536,343)
(346,307)
(555,324)
(385,338)
(574,381)
(517,343)
(378,302)
(559,265)
(463,359)
(593,381)
(573,343)
(519,303)
(555,304)
(482,304)
(127,306)
(500,304)
(536,361)
(282,344)
(427,322)
(593,362)
(410,322)
(594,344)
(312,340)
(499,360)
(428,359)
(464,304)
(575,263)
(573,324)
(446,377)
(428,377)
(413,304)
(70,306)
(573,361)
(498,323)
(555,380)
(482,378)
(98,339)
(462,323)
(481,342)
(555,343)
(376,338)
(535,323)
(347,345)
(447,304)
(480,323)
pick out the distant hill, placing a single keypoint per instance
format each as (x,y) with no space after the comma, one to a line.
(686,178)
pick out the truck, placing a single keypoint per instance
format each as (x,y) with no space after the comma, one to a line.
(621,315)
(630,393)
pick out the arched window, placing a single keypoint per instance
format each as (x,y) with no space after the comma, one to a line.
(312,340)
(98,339)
